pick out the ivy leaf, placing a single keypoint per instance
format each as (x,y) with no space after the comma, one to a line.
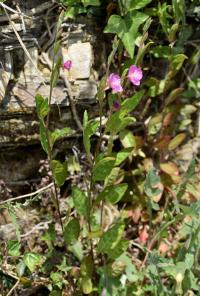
(103,168)
(59,171)
(32,260)
(14,248)
(81,202)
(126,28)
(71,231)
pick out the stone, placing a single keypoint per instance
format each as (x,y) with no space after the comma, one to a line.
(82,59)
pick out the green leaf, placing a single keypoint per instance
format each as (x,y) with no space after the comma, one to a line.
(58,134)
(77,250)
(102,168)
(91,2)
(56,72)
(50,236)
(111,238)
(113,193)
(32,260)
(117,122)
(59,171)
(43,136)
(73,11)
(131,103)
(20,268)
(176,141)
(86,284)
(151,182)
(81,202)
(177,62)
(57,279)
(135,4)
(42,106)
(122,155)
(119,249)
(161,51)
(87,266)
(164,17)
(14,248)
(127,138)
(72,231)
(85,119)
(126,28)
(88,131)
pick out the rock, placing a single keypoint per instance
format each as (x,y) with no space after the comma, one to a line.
(82,60)
(20,81)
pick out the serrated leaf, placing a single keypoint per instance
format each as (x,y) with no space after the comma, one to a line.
(113,193)
(176,141)
(81,202)
(59,171)
(14,248)
(72,231)
(103,168)
(32,260)
(42,106)
(126,28)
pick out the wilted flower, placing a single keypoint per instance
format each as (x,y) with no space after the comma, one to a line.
(116,105)
(135,74)
(114,82)
(67,65)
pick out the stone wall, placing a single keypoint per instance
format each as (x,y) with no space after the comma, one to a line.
(21,78)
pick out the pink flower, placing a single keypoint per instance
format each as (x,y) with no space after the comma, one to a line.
(135,74)
(67,65)
(114,82)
